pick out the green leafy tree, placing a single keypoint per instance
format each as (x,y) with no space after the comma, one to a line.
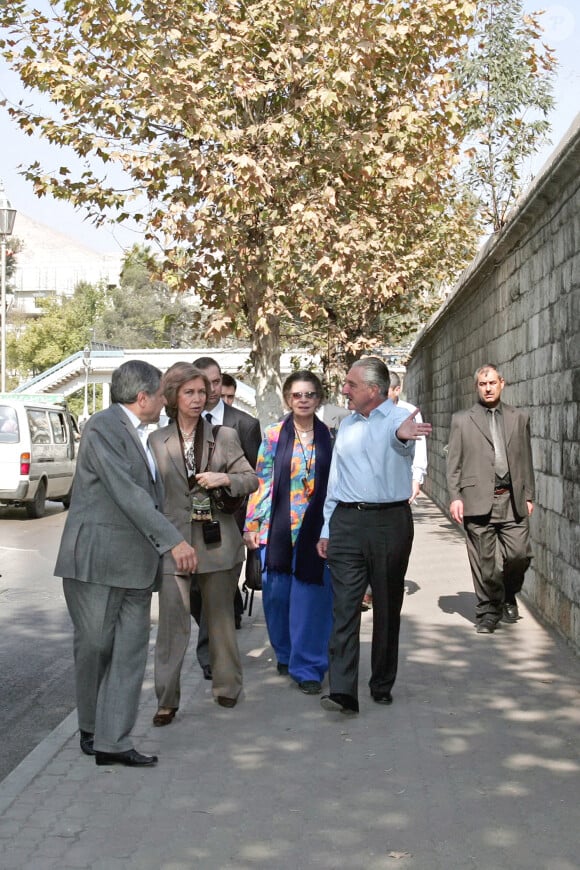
(63,328)
(143,312)
(294,160)
(507,77)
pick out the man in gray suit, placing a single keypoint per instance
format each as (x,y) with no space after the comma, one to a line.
(221,413)
(490,478)
(109,559)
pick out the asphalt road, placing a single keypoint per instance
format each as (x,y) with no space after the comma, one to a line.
(36,666)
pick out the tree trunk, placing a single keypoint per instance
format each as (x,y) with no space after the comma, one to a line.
(265,354)
(266,362)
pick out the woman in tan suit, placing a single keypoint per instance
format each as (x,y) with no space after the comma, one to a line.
(198,466)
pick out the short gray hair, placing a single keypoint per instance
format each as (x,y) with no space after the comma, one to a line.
(394,380)
(375,373)
(484,368)
(132,378)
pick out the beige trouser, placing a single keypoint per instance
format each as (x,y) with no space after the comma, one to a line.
(217,590)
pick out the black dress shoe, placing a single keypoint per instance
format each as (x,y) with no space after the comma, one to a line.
(226,702)
(207,674)
(487,625)
(87,740)
(337,702)
(130,758)
(510,612)
(282,669)
(382,698)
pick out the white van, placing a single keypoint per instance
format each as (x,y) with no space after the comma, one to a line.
(38,446)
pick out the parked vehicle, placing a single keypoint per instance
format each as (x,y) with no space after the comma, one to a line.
(38,445)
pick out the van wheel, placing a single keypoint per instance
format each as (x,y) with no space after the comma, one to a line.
(37,508)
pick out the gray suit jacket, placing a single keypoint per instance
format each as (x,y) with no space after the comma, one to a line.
(470,459)
(115,532)
(227,456)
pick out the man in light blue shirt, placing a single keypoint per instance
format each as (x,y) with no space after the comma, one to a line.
(368,531)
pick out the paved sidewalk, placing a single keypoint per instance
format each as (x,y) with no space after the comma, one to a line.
(476,766)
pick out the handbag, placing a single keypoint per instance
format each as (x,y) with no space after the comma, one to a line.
(227,504)
(253,578)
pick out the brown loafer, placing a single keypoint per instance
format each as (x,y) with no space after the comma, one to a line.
(161,719)
(226,702)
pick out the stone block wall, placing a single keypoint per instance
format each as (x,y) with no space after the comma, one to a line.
(518,305)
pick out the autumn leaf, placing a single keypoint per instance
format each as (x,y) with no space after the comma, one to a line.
(294,162)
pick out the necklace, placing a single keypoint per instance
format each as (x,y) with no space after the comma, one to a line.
(188,451)
(306,482)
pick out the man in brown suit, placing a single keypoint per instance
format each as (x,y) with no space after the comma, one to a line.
(490,478)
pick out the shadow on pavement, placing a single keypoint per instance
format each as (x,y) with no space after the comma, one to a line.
(475,766)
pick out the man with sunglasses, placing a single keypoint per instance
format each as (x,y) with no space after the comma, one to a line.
(368,531)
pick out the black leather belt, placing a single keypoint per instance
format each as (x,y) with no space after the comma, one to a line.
(371,506)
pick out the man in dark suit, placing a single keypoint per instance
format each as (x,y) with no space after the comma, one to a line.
(229,387)
(109,559)
(218,412)
(490,478)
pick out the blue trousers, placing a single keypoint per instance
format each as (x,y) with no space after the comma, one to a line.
(299,620)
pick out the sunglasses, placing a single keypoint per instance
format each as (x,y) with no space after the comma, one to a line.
(310,395)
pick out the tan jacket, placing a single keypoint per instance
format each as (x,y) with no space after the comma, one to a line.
(470,459)
(227,457)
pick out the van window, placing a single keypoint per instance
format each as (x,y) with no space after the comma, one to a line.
(58,425)
(9,433)
(39,431)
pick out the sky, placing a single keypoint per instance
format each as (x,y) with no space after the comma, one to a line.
(561,23)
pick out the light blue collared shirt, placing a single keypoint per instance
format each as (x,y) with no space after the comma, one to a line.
(369,463)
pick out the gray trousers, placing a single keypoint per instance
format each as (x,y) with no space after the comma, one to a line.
(367,548)
(497,580)
(111,641)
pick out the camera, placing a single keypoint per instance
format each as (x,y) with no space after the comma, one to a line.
(212,533)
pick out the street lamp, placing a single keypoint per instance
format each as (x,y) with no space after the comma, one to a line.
(7,218)
(87,365)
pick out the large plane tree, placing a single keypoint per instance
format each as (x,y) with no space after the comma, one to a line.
(293,159)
